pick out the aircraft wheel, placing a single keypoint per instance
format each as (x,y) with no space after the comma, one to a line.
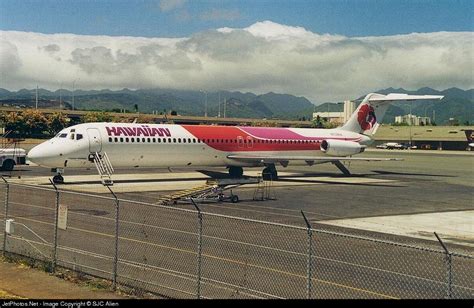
(8,165)
(236,172)
(58,179)
(234,199)
(269,174)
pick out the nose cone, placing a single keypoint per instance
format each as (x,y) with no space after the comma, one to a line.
(43,156)
(35,155)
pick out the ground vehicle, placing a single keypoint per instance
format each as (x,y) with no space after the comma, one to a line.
(9,157)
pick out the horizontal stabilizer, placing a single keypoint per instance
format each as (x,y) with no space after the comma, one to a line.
(401,97)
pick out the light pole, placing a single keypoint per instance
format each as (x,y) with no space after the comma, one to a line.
(410,118)
(60,96)
(73,83)
(205,106)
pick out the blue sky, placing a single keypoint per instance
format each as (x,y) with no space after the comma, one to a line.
(328,50)
(179,18)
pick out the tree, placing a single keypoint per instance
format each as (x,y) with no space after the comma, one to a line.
(26,123)
(98,117)
(317,123)
(56,122)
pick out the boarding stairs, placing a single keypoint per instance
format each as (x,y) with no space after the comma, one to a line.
(212,191)
(264,191)
(104,168)
(188,193)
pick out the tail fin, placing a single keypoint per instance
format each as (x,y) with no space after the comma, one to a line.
(469,135)
(368,116)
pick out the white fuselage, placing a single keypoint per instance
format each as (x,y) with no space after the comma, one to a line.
(169,145)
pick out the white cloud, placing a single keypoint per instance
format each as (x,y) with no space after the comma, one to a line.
(261,58)
(170,5)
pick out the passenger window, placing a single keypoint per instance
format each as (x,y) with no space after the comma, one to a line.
(121,139)
(179,140)
(138,139)
(116,139)
(133,139)
(169,140)
(110,139)
(143,140)
(126,139)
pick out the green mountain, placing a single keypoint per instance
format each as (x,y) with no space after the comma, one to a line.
(270,105)
(457,103)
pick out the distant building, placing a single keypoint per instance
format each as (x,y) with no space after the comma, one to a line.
(413,120)
(338,117)
(332,117)
(349,108)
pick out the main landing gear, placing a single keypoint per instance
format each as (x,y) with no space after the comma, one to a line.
(236,172)
(58,178)
(268,173)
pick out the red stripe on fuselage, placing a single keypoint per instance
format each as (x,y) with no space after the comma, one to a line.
(237,139)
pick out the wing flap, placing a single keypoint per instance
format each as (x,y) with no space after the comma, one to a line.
(277,158)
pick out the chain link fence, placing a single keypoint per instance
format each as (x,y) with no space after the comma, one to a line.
(181,253)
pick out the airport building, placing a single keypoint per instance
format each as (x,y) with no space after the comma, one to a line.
(337,117)
(412,119)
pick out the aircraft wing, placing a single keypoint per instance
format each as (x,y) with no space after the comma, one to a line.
(270,159)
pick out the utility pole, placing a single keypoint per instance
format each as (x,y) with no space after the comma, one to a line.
(225,102)
(410,118)
(219,112)
(36,105)
(73,83)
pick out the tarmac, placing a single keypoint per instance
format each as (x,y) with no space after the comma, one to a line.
(406,201)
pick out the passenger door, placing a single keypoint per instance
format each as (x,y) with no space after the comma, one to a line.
(95,142)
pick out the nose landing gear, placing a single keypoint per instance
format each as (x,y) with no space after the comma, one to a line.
(58,178)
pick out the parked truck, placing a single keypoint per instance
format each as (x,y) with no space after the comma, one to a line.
(9,157)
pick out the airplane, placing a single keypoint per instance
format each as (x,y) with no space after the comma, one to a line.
(234,147)
(470,138)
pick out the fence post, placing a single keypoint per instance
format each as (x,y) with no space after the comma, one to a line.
(117,207)
(56,218)
(199,254)
(7,195)
(449,272)
(309,266)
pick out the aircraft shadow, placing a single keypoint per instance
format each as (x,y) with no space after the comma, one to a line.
(312,181)
(411,174)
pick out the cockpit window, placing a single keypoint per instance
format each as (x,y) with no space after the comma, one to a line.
(63,135)
(72,136)
(78,136)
